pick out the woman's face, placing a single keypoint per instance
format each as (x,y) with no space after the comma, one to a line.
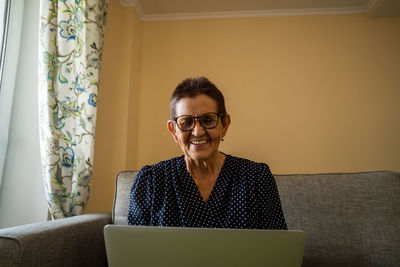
(198,143)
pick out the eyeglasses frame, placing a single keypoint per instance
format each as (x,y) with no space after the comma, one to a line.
(220,115)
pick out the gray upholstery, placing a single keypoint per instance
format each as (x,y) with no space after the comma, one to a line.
(123,186)
(75,241)
(350,219)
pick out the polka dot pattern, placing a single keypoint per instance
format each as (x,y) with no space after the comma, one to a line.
(245,195)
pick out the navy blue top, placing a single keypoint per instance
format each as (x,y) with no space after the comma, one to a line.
(245,195)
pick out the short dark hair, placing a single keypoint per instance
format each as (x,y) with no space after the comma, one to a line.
(192,87)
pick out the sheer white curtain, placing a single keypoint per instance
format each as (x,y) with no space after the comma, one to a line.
(12,37)
(22,198)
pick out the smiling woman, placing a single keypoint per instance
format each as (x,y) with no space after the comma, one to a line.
(205,187)
(199,141)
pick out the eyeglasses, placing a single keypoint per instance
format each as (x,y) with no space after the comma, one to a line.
(208,121)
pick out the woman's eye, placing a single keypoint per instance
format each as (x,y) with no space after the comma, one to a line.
(209,120)
(186,122)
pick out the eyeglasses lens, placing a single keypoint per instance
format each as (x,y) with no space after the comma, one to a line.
(185,123)
(209,121)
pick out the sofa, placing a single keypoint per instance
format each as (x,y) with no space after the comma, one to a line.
(350,219)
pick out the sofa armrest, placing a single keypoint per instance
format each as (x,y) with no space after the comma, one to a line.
(74,241)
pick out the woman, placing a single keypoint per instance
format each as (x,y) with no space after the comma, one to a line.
(204,187)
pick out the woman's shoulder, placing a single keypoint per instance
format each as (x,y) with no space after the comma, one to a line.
(246,164)
(160,167)
(249,171)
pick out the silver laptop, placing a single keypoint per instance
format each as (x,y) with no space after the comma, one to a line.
(178,246)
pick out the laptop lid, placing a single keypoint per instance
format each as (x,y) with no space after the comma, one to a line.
(184,246)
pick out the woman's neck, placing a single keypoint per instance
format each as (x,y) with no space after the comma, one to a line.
(205,168)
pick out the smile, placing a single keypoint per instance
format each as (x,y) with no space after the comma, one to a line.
(198,142)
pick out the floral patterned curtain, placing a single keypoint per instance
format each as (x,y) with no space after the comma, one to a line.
(71,42)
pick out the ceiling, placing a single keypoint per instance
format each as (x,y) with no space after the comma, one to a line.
(190,9)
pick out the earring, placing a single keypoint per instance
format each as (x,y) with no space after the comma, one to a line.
(222,139)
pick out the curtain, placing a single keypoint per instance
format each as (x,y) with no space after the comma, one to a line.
(70,49)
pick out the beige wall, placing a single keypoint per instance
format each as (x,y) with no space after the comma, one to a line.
(117,104)
(306,94)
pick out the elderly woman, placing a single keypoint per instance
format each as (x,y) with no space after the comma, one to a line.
(204,187)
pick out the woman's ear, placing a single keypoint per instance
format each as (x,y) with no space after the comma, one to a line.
(225,124)
(171,128)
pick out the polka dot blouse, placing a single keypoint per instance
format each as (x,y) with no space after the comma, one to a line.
(245,195)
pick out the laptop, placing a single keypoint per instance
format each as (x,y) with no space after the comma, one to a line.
(128,245)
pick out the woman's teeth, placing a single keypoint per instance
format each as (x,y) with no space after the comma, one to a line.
(199,142)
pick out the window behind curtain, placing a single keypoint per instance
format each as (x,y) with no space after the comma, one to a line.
(22,196)
(4,16)
(7,71)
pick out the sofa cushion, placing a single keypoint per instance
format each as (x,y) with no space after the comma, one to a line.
(10,255)
(122,192)
(350,219)
(73,241)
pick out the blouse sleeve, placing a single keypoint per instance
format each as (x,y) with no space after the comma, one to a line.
(270,209)
(140,198)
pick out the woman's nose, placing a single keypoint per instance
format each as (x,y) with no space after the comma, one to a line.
(197,130)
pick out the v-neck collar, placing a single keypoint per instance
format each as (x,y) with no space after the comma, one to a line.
(189,179)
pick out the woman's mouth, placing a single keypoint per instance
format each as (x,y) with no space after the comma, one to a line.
(198,142)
